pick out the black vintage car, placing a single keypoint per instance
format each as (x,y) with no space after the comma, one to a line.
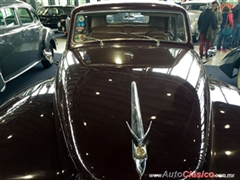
(24,41)
(131,100)
(52,14)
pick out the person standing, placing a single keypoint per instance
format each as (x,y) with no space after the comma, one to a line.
(206,19)
(236,21)
(227,21)
(218,14)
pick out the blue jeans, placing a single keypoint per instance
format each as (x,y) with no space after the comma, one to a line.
(236,35)
(222,41)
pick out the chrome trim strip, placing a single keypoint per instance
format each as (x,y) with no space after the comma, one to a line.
(4,82)
(23,71)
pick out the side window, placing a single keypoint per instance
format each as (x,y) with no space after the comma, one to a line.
(53,11)
(180,28)
(61,11)
(2,22)
(25,15)
(8,17)
(34,15)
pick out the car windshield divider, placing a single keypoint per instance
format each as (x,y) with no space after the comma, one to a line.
(151,38)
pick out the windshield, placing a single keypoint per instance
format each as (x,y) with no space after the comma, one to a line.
(156,26)
(127,17)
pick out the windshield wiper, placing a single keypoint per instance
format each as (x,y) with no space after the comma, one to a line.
(91,38)
(148,37)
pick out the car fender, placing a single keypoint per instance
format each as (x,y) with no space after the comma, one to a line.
(30,138)
(225,117)
(48,37)
(230,62)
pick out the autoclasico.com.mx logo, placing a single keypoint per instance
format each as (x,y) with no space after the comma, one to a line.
(191,174)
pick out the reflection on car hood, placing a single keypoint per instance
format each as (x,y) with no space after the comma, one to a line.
(131,56)
(99,116)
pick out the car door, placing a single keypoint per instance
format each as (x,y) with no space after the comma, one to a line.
(28,27)
(32,27)
(14,47)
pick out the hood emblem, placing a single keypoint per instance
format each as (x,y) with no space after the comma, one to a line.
(139,148)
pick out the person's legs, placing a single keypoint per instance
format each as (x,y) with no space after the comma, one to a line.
(219,41)
(237,35)
(208,43)
(229,41)
(201,44)
(224,43)
(233,37)
(216,39)
(212,44)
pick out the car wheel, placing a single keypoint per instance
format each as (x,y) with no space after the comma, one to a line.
(238,78)
(48,57)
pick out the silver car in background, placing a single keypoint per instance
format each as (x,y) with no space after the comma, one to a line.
(24,41)
(194,9)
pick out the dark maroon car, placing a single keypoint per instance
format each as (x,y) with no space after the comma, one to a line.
(130,100)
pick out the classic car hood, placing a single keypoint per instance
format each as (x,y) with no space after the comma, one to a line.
(151,55)
(126,122)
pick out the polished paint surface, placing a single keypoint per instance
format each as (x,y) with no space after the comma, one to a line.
(78,124)
(96,104)
(28,141)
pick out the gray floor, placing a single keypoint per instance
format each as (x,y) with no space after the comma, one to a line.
(216,60)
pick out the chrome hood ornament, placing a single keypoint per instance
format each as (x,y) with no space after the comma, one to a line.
(139,148)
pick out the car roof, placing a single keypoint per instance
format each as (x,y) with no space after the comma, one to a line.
(13,3)
(62,6)
(123,5)
(170,3)
(9,2)
(198,2)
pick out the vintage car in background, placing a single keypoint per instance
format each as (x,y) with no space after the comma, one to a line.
(130,100)
(194,9)
(24,41)
(63,25)
(50,15)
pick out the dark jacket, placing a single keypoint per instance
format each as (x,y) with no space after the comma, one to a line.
(236,12)
(205,18)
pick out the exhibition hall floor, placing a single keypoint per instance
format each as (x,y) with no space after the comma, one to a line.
(38,73)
